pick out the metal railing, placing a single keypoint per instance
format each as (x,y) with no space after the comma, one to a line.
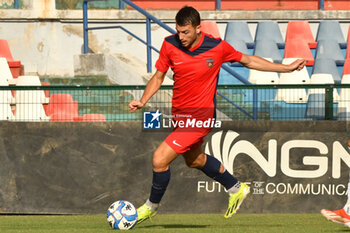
(16,4)
(148,41)
(233,102)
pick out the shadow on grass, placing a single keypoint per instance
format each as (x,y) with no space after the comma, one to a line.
(173,226)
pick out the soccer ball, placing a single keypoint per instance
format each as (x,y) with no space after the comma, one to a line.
(122,215)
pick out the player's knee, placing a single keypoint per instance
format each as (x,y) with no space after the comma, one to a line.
(195,163)
(158,162)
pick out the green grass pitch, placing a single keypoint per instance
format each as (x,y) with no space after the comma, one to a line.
(242,223)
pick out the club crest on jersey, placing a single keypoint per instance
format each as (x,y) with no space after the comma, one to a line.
(210,62)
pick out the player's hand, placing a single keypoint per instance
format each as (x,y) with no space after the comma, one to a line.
(134,105)
(297,65)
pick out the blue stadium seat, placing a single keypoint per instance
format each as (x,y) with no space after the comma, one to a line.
(239,30)
(330,49)
(226,79)
(282,111)
(315,108)
(268,49)
(269,30)
(327,66)
(239,45)
(330,29)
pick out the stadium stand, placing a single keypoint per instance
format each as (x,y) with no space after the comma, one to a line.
(327,66)
(29,107)
(344,100)
(15,66)
(261,77)
(346,67)
(210,27)
(298,48)
(315,108)
(268,49)
(33,81)
(62,107)
(322,79)
(239,30)
(239,45)
(297,30)
(330,30)
(329,49)
(348,48)
(6,113)
(94,117)
(295,77)
(5,72)
(270,31)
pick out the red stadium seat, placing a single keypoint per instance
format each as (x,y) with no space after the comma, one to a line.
(15,66)
(94,117)
(300,30)
(62,107)
(210,27)
(47,92)
(346,68)
(298,48)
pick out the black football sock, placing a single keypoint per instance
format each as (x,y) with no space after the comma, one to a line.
(159,185)
(212,169)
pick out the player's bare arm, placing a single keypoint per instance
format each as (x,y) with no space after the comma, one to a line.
(152,87)
(258,63)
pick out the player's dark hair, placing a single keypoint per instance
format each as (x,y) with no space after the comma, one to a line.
(188,15)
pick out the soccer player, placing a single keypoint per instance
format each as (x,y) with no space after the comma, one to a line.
(195,58)
(342,215)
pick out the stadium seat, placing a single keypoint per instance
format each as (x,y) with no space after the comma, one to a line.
(5,72)
(327,66)
(346,67)
(238,45)
(6,113)
(344,100)
(348,48)
(239,30)
(297,30)
(322,79)
(29,106)
(269,30)
(330,29)
(15,66)
(329,49)
(94,117)
(261,77)
(33,81)
(315,108)
(298,48)
(62,107)
(282,111)
(295,95)
(47,92)
(268,48)
(210,27)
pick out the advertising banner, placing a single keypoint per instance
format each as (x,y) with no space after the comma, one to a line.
(291,167)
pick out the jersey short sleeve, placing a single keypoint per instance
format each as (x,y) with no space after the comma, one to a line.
(163,61)
(230,54)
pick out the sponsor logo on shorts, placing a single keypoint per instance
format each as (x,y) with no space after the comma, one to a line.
(177,144)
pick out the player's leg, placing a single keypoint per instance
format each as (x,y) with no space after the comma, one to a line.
(341,215)
(209,165)
(162,158)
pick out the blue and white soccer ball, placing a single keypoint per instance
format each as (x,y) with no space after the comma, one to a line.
(122,215)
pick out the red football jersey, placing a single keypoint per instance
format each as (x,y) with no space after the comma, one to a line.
(196,70)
